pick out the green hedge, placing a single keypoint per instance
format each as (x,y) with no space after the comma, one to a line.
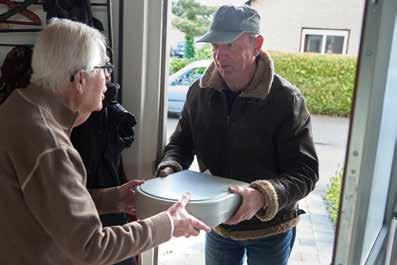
(326,81)
(178,63)
(205,52)
(332,195)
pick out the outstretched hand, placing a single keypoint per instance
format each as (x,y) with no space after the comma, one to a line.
(252,202)
(184,223)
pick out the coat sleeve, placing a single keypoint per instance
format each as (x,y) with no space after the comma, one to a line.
(178,153)
(297,161)
(57,197)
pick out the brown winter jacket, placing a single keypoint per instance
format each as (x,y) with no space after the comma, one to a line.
(265,140)
(47,214)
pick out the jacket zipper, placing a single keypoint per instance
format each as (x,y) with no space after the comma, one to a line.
(228,138)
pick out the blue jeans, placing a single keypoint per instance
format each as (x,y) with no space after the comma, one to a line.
(273,250)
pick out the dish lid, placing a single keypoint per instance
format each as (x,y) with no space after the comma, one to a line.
(202,187)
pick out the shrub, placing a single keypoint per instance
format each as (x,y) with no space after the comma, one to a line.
(326,81)
(332,195)
(178,63)
(189,46)
(203,52)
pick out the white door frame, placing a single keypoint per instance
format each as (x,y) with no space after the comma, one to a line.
(144,76)
(370,144)
(145,72)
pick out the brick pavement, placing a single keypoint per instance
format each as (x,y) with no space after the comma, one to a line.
(315,233)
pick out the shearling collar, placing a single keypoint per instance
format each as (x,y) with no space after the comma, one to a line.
(259,86)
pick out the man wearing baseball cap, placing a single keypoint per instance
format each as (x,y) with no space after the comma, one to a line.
(245,122)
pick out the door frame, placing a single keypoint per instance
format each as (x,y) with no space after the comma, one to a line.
(365,139)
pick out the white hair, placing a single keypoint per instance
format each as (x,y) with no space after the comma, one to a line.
(63,48)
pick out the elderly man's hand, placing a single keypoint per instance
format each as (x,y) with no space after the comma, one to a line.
(185,224)
(252,202)
(126,196)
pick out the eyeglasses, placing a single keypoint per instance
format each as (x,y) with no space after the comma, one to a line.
(107,68)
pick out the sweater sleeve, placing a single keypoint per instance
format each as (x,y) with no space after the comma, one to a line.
(105,200)
(56,195)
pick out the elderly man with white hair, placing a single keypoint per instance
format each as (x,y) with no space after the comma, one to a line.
(47,214)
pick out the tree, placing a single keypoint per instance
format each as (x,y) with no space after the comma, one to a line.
(193,19)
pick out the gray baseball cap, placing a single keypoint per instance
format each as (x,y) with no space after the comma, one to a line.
(230,22)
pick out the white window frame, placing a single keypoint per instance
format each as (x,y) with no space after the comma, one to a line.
(325,32)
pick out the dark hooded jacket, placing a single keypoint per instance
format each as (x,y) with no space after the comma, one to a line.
(16,70)
(77,10)
(265,139)
(100,141)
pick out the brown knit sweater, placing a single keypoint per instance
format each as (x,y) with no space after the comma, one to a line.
(47,214)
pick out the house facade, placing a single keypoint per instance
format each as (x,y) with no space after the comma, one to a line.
(321,26)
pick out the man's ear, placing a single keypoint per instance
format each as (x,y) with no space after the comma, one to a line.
(78,81)
(258,43)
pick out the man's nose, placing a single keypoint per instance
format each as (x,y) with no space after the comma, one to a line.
(107,77)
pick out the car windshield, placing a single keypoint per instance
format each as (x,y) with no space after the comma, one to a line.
(189,77)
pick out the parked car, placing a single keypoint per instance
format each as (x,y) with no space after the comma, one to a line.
(178,50)
(179,83)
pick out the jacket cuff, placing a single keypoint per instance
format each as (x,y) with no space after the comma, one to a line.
(169,163)
(271,208)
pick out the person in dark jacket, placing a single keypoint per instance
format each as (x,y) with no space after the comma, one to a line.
(100,141)
(245,122)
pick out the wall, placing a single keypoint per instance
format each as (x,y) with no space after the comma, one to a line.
(282,21)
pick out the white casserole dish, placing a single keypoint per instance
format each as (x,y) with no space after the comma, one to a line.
(210,200)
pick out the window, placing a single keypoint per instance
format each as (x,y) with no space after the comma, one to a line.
(324,41)
(189,77)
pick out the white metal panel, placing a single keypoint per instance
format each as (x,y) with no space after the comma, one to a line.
(391,252)
(384,154)
(371,144)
